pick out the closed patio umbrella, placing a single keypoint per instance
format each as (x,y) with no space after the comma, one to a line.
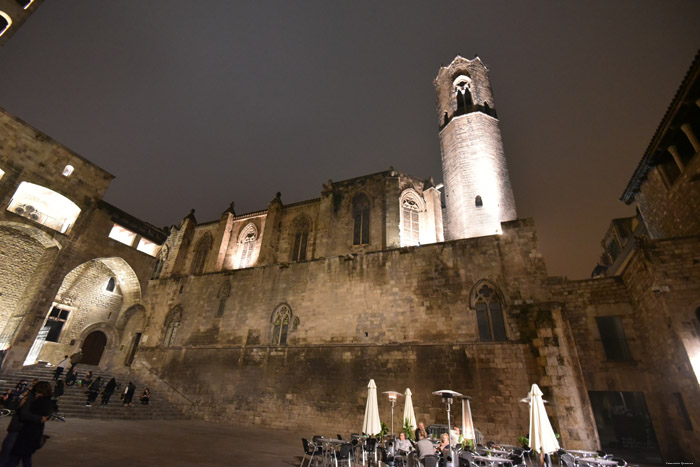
(542,438)
(408,413)
(467,422)
(372,425)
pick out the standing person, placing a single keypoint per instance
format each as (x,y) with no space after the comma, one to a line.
(129,394)
(421,429)
(108,391)
(93,391)
(60,366)
(33,419)
(76,358)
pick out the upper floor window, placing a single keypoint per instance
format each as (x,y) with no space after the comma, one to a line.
(25,3)
(201,251)
(44,206)
(612,335)
(360,215)
(172,323)
(282,320)
(463,95)
(122,235)
(54,322)
(162,256)
(411,208)
(489,312)
(5,22)
(148,247)
(247,243)
(301,239)
(111,284)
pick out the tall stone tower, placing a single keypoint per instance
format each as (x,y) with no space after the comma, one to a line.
(478,193)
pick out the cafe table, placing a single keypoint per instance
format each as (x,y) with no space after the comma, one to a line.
(493,460)
(327,444)
(596,461)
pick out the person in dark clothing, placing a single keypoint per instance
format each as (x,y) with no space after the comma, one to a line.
(87,381)
(71,378)
(93,391)
(27,426)
(76,358)
(146,396)
(129,394)
(58,390)
(108,391)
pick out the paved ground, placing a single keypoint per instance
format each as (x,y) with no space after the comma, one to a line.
(120,443)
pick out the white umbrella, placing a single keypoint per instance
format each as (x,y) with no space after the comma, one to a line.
(372,425)
(467,422)
(542,438)
(408,413)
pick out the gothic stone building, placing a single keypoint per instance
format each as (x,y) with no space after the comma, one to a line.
(280,317)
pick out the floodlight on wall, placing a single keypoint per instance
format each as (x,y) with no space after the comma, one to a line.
(68,170)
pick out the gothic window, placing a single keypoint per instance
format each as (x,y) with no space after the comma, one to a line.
(360,216)
(301,239)
(613,337)
(463,95)
(162,256)
(246,245)
(478,202)
(411,208)
(489,312)
(54,322)
(224,292)
(172,323)
(111,284)
(201,252)
(281,319)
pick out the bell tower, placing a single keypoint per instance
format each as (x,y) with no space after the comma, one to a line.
(478,193)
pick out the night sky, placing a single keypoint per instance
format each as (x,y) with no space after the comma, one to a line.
(197,104)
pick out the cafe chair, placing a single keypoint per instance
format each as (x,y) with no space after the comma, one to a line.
(567,460)
(620,461)
(430,461)
(310,450)
(344,454)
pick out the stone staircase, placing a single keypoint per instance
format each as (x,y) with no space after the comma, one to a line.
(72,403)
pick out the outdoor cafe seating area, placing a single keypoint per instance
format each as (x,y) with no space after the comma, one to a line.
(375,447)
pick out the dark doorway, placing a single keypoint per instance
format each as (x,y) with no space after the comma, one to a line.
(93,347)
(624,425)
(134,347)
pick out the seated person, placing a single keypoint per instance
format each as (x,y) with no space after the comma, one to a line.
(71,378)
(403,445)
(424,447)
(146,396)
(444,443)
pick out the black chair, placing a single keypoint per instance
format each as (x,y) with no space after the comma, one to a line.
(430,461)
(466,459)
(340,437)
(620,461)
(567,460)
(310,450)
(344,454)
(370,447)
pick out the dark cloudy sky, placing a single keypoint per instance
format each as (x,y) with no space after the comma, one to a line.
(200,103)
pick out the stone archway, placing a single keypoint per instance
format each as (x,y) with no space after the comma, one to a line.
(93,347)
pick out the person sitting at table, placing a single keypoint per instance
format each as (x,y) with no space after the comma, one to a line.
(424,446)
(421,429)
(403,446)
(455,436)
(444,443)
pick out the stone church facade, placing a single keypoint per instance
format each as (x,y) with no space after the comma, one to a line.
(280,317)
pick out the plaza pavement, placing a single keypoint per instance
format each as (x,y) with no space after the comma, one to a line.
(132,443)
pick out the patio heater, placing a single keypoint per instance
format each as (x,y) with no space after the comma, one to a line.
(393,395)
(448,396)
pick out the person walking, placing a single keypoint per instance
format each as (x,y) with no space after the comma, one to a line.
(108,391)
(76,358)
(129,394)
(60,367)
(32,420)
(93,391)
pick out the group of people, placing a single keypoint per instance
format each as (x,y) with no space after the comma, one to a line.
(424,446)
(94,386)
(25,432)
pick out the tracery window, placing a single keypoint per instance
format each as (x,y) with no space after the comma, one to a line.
(162,256)
(246,245)
(201,252)
(172,323)
(281,319)
(489,312)
(463,94)
(411,208)
(301,239)
(360,215)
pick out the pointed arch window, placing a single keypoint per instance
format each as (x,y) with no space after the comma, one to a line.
(301,239)
(172,323)
(247,241)
(201,252)
(281,319)
(360,215)
(158,268)
(411,208)
(111,284)
(489,312)
(463,95)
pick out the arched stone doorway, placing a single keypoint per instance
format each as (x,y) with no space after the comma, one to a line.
(93,348)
